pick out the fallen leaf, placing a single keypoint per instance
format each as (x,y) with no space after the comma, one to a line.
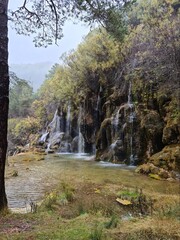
(123,202)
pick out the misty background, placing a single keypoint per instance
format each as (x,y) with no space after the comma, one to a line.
(32,63)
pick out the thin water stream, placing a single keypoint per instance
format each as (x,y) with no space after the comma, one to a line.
(36,178)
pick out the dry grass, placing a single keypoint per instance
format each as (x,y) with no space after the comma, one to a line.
(83,206)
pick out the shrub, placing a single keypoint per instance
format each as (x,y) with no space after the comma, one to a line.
(20,129)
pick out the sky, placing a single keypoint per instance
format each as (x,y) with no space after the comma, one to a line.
(22,49)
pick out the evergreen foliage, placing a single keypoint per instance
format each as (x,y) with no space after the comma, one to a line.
(21,97)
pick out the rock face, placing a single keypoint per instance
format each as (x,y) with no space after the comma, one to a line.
(127,123)
(134,126)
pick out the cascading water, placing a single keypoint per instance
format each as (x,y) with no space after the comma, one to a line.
(130,121)
(58,134)
(129,94)
(55,133)
(44,137)
(68,120)
(122,129)
(115,121)
(55,124)
(53,127)
(80,136)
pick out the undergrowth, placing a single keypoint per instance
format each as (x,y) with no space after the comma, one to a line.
(68,213)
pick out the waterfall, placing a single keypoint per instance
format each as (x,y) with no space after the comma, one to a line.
(48,147)
(115,121)
(68,120)
(98,102)
(53,127)
(55,124)
(122,124)
(94,149)
(80,136)
(99,99)
(44,137)
(54,137)
(55,133)
(129,94)
(131,120)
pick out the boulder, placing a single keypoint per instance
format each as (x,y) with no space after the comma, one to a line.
(168,158)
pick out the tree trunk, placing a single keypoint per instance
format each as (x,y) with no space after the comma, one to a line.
(4,97)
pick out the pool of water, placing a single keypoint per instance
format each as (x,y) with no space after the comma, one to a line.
(36,178)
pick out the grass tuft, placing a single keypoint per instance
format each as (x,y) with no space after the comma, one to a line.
(112,223)
(96,233)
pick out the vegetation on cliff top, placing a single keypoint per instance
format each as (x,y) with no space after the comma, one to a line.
(145,53)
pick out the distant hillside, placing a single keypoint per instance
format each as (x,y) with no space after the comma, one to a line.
(34,73)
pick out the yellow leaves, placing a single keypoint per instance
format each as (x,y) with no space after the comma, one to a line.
(96,190)
(99,51)
(52,195)
(23,126)
(152,12)
(123,201)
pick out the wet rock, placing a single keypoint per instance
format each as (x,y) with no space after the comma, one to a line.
(104,135)
(163,99)
(152,126)
(74,144)
(64,147)
(55,139)
(50,151)
(171,132)
(117,151)
(43,138)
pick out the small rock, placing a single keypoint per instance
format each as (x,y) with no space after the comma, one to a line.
(170,179)
(163,173)
(15,173)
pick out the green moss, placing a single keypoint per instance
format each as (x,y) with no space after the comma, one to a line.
(128,194)
(168,158)
(155,176)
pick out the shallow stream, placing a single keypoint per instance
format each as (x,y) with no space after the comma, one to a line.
(36,178)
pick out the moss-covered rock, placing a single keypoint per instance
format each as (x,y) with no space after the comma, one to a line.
(149,132)
(171,132)
(152,123)
(104,134)
(155,172)
(168,158)
(147,169)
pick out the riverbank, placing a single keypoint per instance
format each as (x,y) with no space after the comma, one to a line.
(88,200)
